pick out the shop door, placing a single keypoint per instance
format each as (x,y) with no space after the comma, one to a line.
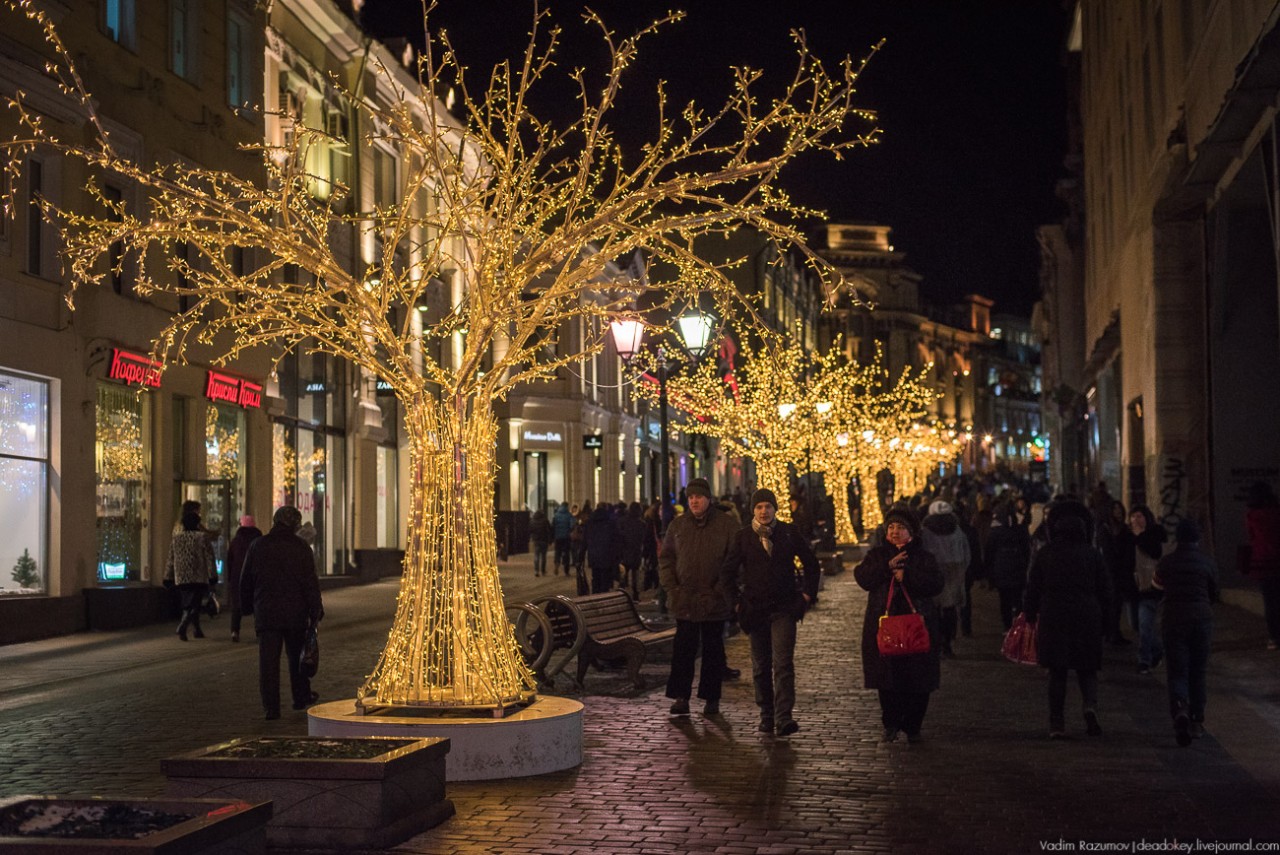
(535,480)
(215,511)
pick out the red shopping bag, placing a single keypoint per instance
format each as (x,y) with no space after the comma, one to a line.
(1020,642)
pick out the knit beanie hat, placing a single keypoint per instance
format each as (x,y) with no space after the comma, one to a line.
(904,515)
(763,495)
(698,487)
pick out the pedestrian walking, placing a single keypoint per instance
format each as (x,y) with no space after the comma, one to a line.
(1115,542)
(976,569)
(1189,580)
(698,545)
(632,534)
(1261,558)
(191,569)
(236,552)
(1068,589)
(279,584)
(1008,554)
(903,683)
(942,536)
(562,525)
(772,597)
(1148,547)
(578,541)
(601,539)
(540,535)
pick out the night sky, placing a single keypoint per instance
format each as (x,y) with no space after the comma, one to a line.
(968,92)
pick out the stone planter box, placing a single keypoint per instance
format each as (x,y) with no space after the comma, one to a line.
(334,793)
(29,825)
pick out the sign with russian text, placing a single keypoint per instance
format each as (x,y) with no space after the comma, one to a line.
(134,369)
(233,390)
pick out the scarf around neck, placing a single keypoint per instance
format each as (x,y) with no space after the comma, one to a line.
(766,535)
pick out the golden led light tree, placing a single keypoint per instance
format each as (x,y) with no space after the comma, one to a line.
(782,400)
(527,214)
(867,419)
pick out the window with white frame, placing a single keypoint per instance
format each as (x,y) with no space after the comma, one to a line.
(184,29)
(119,22)
(24,483)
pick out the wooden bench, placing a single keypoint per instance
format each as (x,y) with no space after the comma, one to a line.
(611,629)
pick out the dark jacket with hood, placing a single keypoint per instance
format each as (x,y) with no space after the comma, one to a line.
(601,535)
(1067,590)
(923,580)
(236,552)
(1189,579)
(279,585)
(770,583)
(1008,552)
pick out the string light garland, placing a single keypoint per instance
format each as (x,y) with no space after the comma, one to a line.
(529,215)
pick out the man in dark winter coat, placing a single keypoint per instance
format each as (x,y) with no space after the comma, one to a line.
(903,682)
(697,547)
(632,532)
(773,598)
(1008,552)
(1068,589)
(1189,580)
(280,588)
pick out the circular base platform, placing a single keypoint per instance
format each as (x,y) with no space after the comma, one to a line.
(545,736)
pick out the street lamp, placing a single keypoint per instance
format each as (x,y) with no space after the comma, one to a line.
(695,330)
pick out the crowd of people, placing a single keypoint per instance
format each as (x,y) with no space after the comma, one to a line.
(1078,570)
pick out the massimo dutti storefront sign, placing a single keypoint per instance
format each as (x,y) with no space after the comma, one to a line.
(542,436)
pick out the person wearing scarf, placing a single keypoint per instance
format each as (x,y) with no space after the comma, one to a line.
(775,575)
(903,682)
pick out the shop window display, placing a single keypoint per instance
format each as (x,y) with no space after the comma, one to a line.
(24,478)
(122,454)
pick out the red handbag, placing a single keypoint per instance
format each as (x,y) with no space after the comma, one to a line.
(901,635)
(1020,642)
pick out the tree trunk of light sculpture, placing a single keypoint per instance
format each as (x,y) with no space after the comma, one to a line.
(450,643)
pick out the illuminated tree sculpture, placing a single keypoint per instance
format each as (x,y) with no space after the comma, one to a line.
(867,420)
(527,213)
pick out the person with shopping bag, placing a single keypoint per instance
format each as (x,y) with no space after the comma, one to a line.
(901,576)
(1068,590)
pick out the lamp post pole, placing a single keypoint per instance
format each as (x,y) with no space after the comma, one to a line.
(664,474)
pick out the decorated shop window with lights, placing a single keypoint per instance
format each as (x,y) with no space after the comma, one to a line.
(24,484)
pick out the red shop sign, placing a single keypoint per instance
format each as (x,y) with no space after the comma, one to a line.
(134,369)
(233,390)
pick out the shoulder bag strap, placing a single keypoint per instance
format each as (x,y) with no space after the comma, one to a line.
(889,601)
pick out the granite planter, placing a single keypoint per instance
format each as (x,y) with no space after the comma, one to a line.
(100,825)
(332,793)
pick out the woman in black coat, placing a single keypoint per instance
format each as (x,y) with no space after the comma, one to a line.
(1068,590)
(602,548)
(903,682)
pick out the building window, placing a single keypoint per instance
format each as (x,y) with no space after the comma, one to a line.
(115,253)
(122,455)
(225,444)
(309,451)
(239,61)
(119,22)
(184,18)
(35,218)
(387,519)
(24,480)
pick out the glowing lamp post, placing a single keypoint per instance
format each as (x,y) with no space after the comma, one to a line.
(695,330)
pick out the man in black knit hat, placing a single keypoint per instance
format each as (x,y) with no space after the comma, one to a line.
(774,597)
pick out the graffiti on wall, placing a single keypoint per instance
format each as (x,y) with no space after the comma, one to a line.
(1173,492)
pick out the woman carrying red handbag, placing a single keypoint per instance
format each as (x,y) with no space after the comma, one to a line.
(903,681)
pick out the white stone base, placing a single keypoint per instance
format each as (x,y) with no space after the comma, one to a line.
(545,736)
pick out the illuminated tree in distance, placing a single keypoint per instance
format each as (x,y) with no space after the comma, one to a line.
(528,214)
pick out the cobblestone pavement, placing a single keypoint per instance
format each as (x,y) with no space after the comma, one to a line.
(95,712)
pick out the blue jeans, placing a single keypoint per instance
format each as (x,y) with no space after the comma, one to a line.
(773,668)
(1186,662)
(1150,651)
